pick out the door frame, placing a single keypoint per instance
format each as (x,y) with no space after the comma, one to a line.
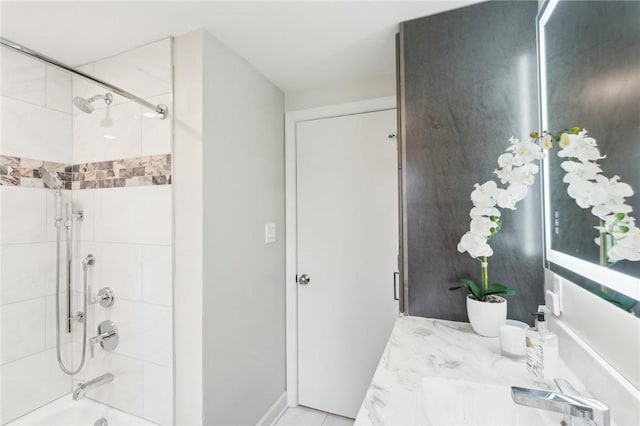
(292,118)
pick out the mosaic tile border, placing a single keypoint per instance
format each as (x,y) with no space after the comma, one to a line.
(139,171)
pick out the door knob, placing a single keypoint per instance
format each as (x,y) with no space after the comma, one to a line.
(304,279)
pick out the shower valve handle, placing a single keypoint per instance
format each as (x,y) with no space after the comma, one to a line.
(107,337)
(105,297)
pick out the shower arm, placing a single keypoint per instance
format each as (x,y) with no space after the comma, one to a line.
(160,109)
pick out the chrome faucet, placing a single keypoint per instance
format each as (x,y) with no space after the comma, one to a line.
(568,402)
(91,384)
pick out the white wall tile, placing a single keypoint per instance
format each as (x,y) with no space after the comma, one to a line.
(157,134)
(158,393)
(126,391)
(23,329)
(27,271)
(81,87)
(31,382)
(129,230)
(145,330)
(157,278)
(118,266)
(83,200)
(145,70)
(58,89)
(36,132)
(107,134)
(23,218)
(134,215)
(23,78)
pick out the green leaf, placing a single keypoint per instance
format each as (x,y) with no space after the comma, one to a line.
(470,285)
(623,229)
(500,290)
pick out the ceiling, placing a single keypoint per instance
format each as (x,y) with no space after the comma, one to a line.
(297,45)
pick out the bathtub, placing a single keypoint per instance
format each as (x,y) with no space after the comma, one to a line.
(67,412)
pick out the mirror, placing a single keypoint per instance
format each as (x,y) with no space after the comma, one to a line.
(589,55)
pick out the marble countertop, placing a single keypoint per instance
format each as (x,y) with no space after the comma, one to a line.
(423,347)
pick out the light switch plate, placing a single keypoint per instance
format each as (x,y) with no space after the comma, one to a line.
(552,302)
(270,233)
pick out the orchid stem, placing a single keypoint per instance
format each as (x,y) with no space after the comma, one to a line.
(603,251)
(485,273)
(603,244)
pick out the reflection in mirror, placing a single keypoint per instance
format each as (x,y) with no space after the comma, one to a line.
(590,77)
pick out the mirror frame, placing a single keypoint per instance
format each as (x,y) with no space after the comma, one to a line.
(621,283)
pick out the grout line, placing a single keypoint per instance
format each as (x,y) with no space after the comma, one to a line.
(33,354)
(36,105)
(29,299)
(27,243)
(115,352)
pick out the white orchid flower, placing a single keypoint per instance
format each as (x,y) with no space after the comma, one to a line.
(587,194)
(579,171)
(484,195)
(546,142)
(508,198)
(615,189)
(503,174)
(476,245)
(482,226)
(626,248)
(524,174)
(580,147)
(506,161)
(525,152)
(605,210)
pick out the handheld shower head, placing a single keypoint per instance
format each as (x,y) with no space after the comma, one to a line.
(51,179)
(86,105)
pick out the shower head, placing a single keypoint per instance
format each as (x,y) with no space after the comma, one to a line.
(86,105)
(83,104)
(51,179)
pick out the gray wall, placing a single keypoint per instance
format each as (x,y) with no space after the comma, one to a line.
(243,283)
(469,83)
(229,286)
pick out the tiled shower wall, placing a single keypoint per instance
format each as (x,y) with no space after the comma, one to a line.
(36,122)
(119,166)
(127,227)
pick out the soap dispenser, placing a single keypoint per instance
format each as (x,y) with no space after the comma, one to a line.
(542,349)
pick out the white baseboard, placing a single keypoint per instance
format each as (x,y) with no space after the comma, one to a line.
(274,413)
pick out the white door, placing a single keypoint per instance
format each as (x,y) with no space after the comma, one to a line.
(347,199)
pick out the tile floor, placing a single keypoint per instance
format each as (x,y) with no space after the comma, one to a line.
(303,416)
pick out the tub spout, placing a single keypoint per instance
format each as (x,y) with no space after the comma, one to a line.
(83,388)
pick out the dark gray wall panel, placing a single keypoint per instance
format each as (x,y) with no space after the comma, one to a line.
(469,84)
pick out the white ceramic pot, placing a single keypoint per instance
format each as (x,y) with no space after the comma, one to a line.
(486,318)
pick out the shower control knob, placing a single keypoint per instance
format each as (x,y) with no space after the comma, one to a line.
(107,337)
(304,279)
(105,297)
